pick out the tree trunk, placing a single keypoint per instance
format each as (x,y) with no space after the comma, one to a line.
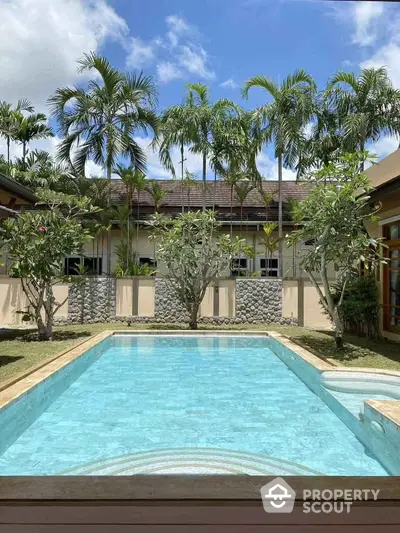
(193,318)
(8,151)
(137,225)
(215,188)
(45,330)
(280,217)
(23,152)
(231,209)
(362,147)
(204,181)
(182,173)
(109,231)
(338,329)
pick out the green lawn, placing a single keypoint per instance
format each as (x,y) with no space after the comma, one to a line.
(24,351)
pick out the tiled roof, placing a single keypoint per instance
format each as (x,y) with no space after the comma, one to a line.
(220,191)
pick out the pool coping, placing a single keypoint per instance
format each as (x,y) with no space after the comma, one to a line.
(386,409)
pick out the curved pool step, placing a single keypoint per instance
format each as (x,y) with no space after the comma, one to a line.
(191,461)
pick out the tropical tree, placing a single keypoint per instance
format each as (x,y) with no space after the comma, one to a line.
(266,197)
(281,121)
(324,142)
(157,193)
(8,116)
(195,253)
(176,131)
(37,243)
(100,122)
(270,242)
(189,182)
(333,216)
(242,189)
(203,119)
(140,185)
(39,170)
(365,104)
(30,128)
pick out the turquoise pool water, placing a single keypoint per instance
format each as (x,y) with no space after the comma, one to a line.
(165,404)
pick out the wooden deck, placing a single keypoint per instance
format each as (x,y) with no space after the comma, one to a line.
(180,504)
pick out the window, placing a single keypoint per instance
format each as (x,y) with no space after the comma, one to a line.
(391,280)
(239,266)
(91,265)
(148,261)
(309,242)
(71,266)
(269,267)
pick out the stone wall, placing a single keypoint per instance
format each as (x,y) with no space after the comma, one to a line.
(92,301)
(167,307)
(259,300)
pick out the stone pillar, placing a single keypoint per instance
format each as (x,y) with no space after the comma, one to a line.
(92,301)
(259,301)
(167,306)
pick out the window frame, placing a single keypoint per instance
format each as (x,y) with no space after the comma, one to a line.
(267,270)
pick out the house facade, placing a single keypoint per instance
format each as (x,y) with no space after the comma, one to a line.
(385,178)
(244,219)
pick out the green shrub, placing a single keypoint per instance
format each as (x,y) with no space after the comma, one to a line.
(360,308)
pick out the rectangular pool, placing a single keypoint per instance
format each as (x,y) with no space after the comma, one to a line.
(178,404)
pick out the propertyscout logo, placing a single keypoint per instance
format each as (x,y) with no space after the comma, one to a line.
(279,497)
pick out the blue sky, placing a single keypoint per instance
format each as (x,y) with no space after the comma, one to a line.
(218,42)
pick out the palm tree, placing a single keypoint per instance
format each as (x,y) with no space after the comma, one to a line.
(27,129)
(176,131)
(242,190)
(8,118)
(39,170)
(270,242)
(281,121)
(127,175)
(364,103)
(100,122)
(231,177)
(140,185)
(189,181)
(267,198)
(203,117)
(325,142)
(157,193)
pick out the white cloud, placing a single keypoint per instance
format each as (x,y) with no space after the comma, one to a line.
(167,71)
(140,53)
(178,27)
(385,146)
(387,56)
(268,168)
(365,15)
(40,42)
(194,59)
(229,84)
(193,162)
(178,52)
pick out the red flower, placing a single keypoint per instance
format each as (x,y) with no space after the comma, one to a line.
(42,229)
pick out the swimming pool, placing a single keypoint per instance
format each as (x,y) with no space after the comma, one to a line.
(178,404)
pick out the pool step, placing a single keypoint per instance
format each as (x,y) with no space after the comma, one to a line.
(192,461)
